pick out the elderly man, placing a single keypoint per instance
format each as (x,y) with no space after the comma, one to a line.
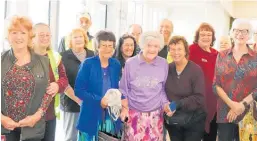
(84,20)
(166,29)
(135,30)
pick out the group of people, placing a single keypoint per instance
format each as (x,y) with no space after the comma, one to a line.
(192,92)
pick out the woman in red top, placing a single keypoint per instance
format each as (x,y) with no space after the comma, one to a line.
(202,53)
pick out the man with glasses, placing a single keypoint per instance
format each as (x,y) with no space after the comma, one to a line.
(85,22)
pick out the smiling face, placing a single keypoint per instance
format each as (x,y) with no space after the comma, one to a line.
(177,52)
(42,36)
(240,34)
(151,49)
(128,47)
(85,23)
(225,43)
(166,29)
(77,40)
(205,38)
(18,38)
(106,49)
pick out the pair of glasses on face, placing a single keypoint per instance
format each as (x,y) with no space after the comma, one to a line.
(242,31)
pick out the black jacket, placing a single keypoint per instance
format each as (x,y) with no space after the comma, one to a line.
(164,52)
(71,64)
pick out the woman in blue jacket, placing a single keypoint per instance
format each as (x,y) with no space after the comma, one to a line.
(96,75)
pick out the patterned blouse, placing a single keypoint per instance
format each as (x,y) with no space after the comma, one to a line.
(238,80)
(19,83)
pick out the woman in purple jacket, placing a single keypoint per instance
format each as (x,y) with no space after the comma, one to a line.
(142,86)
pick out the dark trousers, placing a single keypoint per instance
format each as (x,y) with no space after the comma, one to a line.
(50,130)
(228,132)
(193,133)
(15,136)
(212,135)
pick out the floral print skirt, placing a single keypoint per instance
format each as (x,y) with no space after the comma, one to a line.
(248,127)
(144,126)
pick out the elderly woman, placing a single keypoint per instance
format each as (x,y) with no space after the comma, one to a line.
(24,84)
(235,79)
(225,43)
(72,59)
(96,75)
(57,75)
(204,55)
(125,49)
(185,88)
(142,86)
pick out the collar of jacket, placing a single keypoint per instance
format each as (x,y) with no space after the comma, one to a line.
(13,59)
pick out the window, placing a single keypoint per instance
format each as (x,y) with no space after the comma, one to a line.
(38,11)
(2,14)
(68,17)
(98,18)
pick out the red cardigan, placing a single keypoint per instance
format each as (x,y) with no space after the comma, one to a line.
(206,60)
(62,82)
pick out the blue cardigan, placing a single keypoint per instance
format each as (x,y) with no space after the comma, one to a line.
(88,87)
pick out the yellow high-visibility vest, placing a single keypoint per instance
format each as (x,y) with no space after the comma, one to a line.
(55,59)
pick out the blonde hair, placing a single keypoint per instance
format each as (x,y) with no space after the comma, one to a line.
(37,26)
(21,21)
(78,30)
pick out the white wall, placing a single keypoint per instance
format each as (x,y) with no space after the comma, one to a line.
(186,19)
(186,16)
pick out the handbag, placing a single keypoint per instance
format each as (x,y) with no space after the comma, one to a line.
(105,136)
(185,118)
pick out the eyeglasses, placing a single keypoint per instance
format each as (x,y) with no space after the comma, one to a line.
(243,31)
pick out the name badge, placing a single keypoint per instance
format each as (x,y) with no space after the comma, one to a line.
(204,60)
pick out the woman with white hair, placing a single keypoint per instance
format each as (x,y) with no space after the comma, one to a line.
(235,79)
(142,87)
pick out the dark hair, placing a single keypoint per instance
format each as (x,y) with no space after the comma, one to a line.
(104,35)
(205,27)
(118,53)
(176,39)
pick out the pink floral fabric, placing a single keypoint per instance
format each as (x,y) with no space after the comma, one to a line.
(146,126)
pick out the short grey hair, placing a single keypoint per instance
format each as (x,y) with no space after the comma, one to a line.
(242,22)
(149,35)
